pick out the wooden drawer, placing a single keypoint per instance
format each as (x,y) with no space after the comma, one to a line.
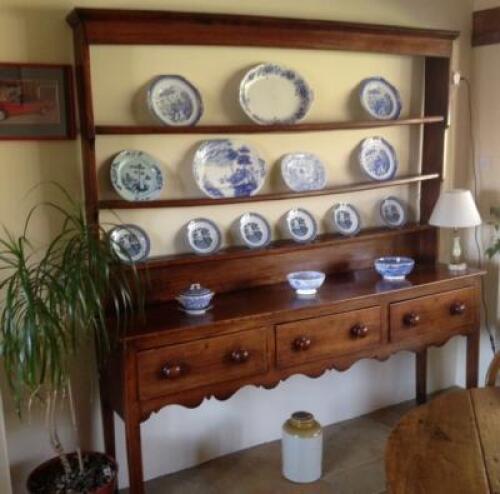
(176,368)
(426,317)
(323,337)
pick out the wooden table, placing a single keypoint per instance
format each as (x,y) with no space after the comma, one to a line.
(450,445)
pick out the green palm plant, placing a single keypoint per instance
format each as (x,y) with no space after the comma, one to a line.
(55,300)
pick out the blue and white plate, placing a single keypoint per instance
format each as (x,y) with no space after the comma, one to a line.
(254,230)
(273,94)
(378,158)
(174,100)
(130,243)
(380,98)
(300,225)
(345,219)
(203,236)
(136,175)
(393,212)
(228,168)
(303,171)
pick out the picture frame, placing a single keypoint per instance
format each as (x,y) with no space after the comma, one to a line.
(36,102)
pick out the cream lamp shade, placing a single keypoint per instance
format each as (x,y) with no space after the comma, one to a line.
(455,209)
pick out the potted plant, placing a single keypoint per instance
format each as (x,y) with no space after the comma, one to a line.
(55,300)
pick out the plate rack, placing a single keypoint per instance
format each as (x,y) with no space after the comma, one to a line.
(135,27)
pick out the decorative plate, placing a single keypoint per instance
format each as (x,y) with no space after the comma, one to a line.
(301,225)
(174,100)
(136,175)
(346,219)
(130,243)
(377,158)
(254,230)
(203,236)
(303,171)
(228,168)
(380,98)
(393,212)
(272,94)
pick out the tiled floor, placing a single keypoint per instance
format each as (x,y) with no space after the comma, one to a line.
(353,464)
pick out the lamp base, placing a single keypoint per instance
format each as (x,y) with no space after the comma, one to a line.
(457,268)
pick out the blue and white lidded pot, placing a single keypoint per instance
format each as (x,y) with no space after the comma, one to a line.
(302,448)
(196,299)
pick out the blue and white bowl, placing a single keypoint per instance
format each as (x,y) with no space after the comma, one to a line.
(394,268)
(195,300)
(306,282)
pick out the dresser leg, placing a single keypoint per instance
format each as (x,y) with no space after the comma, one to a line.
(421,376)
(134,456)
(472,366)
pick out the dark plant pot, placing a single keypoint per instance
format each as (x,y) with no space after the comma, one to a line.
(46,472)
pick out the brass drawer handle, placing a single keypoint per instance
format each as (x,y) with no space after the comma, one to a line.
(173,371)
(411,319)
(302,343)
(240,356)
(458,309)
(359,331)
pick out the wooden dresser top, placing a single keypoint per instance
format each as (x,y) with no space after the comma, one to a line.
(262,304)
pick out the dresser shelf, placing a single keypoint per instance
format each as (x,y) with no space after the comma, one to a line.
(277,196)
(282,246)
(261,129)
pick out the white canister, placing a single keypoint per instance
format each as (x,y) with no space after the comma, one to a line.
(302,448)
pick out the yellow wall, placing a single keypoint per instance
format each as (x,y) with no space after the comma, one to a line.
(36,31)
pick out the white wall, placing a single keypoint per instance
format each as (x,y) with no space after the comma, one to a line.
(176,437)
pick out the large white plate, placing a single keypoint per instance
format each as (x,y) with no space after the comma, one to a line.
(303,171)
(228,168)
(378,158)
(136,175)
(272,94)
(174,100)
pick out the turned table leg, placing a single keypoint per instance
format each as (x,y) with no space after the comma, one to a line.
(134,455)
(421,376)
(472,365)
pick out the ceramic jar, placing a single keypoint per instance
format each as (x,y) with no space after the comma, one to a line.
(302,448)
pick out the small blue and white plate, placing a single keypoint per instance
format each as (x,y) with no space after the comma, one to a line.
(345,219)
(136,175)
(254,230)
(228,168)
(300,225)
(303,171)
(203,236)
(393,212)
(380,98)
(378,158)
(130,243)
(174,100)
(273,94)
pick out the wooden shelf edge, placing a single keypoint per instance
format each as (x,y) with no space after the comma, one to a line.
(280,247)
(262,129)
(278,196)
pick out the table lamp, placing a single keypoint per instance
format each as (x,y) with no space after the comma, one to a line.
(456,209)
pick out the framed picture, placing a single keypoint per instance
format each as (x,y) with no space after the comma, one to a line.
(36,101)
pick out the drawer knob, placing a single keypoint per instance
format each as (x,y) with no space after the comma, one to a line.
(302,343)
(240,356)
(457,309)
(359,331)
(173,371)
(411,319)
